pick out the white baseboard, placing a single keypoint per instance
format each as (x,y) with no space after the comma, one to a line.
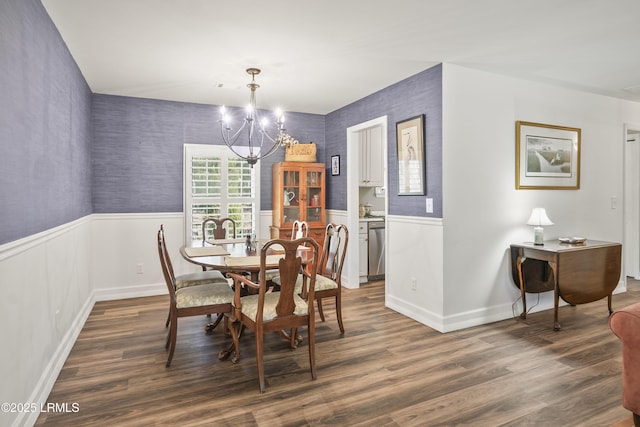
(110,294)
(419,314)
(472,318)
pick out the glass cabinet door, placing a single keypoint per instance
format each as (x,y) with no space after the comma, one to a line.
(314,197)
(291,196)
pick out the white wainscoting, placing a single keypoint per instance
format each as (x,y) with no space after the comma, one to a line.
(46,299)
(414,276)
(125,244)
(57,276)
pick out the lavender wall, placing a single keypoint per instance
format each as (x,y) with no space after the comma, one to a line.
(45,125)
(138,146)
(66,153)
(138,150)
(419,94)
(305,128)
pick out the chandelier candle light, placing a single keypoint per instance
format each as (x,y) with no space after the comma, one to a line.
(257,146)
(538,218)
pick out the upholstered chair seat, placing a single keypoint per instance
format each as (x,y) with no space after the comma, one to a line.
(250,306)
(200,278)
(322,283)
(205,294)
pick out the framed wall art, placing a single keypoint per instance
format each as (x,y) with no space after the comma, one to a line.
(335,165)
(547,157)
(411,162)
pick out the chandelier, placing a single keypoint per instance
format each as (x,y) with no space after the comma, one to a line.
(254,128)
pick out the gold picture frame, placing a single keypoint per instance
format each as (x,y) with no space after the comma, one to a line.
(547,157)
(411,159)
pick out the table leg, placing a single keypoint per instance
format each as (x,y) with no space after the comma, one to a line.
(287,336)
(556,295)
(236,329)
(211,326)
(520,260)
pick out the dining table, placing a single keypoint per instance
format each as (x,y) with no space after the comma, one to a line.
(238,256)
(228,256)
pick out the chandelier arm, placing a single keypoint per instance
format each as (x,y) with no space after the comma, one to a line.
(273,150)
(230,141)
(262,146)
(274,140)
(242,156)
(274,147)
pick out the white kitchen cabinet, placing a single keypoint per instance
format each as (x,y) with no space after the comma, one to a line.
(371,157)
(363,254)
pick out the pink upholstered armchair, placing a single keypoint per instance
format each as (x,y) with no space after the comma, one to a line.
(625,323)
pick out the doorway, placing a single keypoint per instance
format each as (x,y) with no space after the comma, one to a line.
(353,192)
(632,201)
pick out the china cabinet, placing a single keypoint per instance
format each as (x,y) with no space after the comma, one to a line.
(298,194)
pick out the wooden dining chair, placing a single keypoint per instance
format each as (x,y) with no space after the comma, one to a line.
(329,279)
(329,270)
(192,298)
(191,279)
(219,230)
(276,311)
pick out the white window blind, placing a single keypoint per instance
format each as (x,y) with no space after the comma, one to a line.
(218,184)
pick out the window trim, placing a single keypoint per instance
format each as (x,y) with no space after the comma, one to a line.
(193,150)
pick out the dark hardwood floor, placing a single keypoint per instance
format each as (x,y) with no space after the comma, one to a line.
(387,370)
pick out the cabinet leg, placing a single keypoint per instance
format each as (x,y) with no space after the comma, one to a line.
(556,300)
(523,294)
(556,296)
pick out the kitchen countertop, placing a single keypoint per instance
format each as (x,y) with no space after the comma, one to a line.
(371,218)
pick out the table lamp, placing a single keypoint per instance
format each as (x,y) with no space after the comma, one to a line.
(538,218)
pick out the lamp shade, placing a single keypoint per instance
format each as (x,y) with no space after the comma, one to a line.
(539,217)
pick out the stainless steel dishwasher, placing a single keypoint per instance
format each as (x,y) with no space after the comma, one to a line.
(376,250)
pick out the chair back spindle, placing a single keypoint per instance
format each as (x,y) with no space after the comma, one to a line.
(334,251)
(299,229)
(219,230)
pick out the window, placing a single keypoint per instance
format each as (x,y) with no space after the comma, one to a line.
(219,184)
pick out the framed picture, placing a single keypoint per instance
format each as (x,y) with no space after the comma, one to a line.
(547,157)
(411,166)
(335,165)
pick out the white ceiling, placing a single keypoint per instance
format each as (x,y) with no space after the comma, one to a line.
(319,56)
